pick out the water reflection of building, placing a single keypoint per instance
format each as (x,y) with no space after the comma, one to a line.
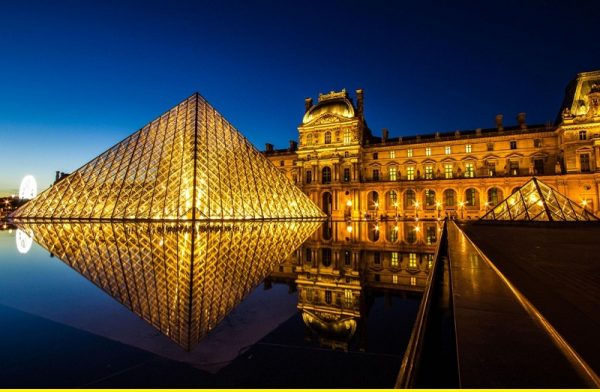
(350,172)
(343,266)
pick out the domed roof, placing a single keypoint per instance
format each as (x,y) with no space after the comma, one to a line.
(338,106)
(342,329)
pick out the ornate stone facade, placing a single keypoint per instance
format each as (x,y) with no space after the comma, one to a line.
(352,174)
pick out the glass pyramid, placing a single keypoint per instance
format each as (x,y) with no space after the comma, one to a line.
(538,202)
(181,277)
(188,164)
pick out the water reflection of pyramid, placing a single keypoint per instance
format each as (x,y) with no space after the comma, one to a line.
(183,278)
(189,163)
(539,202)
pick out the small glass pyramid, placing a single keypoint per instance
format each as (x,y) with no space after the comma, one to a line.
(537,201)
(188,164)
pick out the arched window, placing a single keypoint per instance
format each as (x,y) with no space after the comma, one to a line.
(410,233)
(373,200)
(449,198)
(326,175)
(410,199)
(374,232)
(494,196)
(429,198)
(392,200)
(472,197)
(327,137)
(326,257)
(392,232)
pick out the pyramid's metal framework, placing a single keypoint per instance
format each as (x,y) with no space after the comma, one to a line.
(188,164)
(537,201)
(181,277)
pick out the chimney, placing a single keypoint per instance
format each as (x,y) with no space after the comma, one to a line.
(521,120)
(268,147)
(384,135)
(293,145)
(307,104)
(359,101)
(499,125)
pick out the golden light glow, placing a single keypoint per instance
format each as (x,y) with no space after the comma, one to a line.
(182,278)
(349,203)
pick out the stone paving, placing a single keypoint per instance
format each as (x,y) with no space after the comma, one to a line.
(499,345)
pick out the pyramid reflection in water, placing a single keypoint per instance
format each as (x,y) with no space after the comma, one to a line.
(537,201)
(188,164)
(183,278)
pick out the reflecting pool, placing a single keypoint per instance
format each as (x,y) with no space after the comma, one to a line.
(253,304)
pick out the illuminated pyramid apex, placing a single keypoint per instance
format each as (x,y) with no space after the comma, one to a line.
(188,164)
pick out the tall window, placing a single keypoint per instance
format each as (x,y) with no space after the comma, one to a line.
(449,198)
(490,146)
(582,135)
(428,151)
(538,166)
(513,144)
(395,279)
(469,170)
(468,148)
(327,137)
(411,235)
(346,174)
(537,143)
(347,136)
(375,155)
(491,168)
(471,197)
(375,174)
(392,154)
(584,160)
(308,256)
(393,173)
(326,257)
(448,170)
(326,175)
(392,201)
(308,176)
(347,257)
(429,198)
(514,168)
(409,199)
(448,150)
(428,172)
(410,173)
(394,262)
(409,153)
(412,260)
(430,235)
(494,196)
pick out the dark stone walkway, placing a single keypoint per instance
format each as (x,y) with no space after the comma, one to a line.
(557,268)
(499,345)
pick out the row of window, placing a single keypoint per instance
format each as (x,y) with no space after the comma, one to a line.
(471,199)
(313,139)
(468,149)
(326,255)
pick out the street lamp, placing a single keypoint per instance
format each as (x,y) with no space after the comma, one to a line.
(396,207)
(438,206)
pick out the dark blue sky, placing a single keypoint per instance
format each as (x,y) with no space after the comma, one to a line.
(76,77)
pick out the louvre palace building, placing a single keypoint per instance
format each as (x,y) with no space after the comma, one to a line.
(353,174)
